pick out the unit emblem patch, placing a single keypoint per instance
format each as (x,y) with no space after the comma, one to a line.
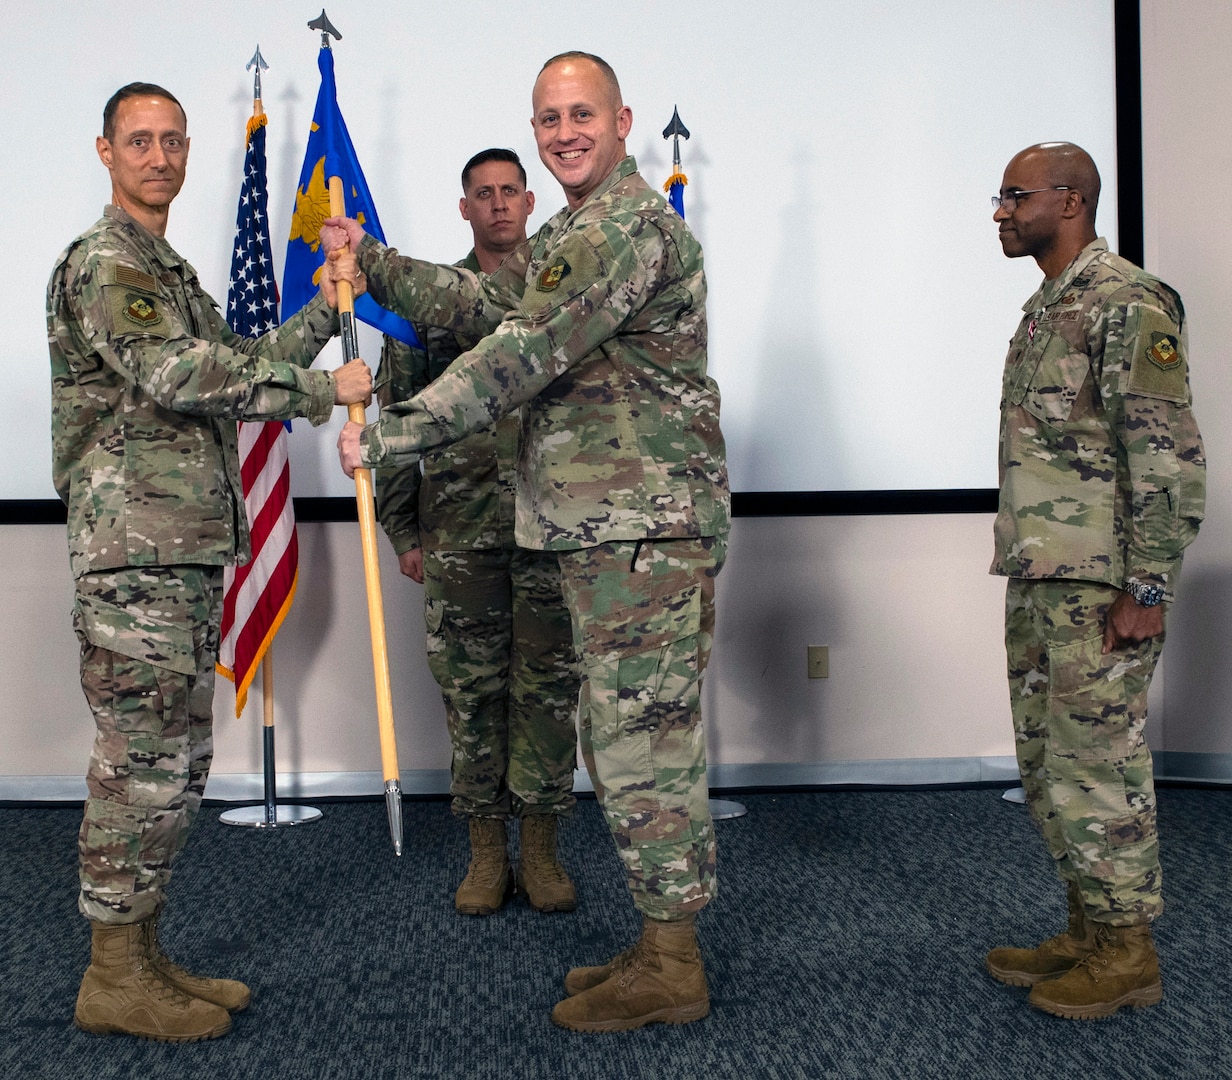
(1163,351)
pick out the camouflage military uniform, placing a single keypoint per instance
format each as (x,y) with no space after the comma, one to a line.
(498,633)
(1102,481)
(147,381)
(605,344)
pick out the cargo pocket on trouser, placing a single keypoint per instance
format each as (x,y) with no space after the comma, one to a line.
(648,751)
(1099,773)
(136,672)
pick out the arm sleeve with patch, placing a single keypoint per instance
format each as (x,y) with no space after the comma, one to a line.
(587,289)
(129,321)
(1144,383)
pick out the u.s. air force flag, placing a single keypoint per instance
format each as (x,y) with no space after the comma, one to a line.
(330,153)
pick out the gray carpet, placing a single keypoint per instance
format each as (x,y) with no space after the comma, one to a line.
(847,941)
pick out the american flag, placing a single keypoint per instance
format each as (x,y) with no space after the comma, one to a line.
(257,596)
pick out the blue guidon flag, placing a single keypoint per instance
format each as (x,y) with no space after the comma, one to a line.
(674,186)
(330,153)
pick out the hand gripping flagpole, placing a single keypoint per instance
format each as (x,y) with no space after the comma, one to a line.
(367,530)
(720,809)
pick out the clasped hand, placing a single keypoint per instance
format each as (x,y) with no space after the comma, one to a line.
(340,266)
(348,447)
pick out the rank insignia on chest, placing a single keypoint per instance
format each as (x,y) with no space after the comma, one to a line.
(141,311)
(553,275)
(1163,351)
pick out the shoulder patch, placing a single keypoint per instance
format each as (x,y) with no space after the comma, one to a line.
(134,312)
(568,270)
(554,274)
(1157,366)
(141,311)
(1163,350)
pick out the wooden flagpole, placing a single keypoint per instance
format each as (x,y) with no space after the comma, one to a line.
(372,573)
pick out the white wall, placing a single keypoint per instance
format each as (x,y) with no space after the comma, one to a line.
(1187,130)
(913,674)
(912,620)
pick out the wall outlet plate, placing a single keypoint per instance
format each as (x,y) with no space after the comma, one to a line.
(819,661)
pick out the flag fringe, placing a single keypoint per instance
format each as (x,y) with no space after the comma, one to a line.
(254,122)
(677,177)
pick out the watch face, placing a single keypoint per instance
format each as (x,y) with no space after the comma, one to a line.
(1147,595)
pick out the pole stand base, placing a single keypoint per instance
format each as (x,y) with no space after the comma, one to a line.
(255,817)
(725,809)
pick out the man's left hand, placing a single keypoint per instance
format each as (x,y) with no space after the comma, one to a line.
(1127,623)
(348,447)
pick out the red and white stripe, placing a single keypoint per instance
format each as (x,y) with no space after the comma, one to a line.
(258,594)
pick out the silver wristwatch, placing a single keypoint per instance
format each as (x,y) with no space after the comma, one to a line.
(1144,594)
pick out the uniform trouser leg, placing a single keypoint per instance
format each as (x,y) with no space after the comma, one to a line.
(544,681)
(500,647)
(149,640)
(468,617)
(643,624)
(1085,765)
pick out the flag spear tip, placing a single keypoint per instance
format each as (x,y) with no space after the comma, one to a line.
(257,61)
(675,126)
(322,23)
(256,65)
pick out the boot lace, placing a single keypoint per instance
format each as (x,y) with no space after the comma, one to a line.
(1106,951)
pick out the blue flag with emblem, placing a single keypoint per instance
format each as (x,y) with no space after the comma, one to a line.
(330,153)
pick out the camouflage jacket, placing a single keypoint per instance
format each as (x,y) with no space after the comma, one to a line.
(464,498)
(598,322)
(1102,471)
(147,383)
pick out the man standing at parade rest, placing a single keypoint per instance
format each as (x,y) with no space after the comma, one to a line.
(147,383)
(598,325)
(500,644)
(1102,489)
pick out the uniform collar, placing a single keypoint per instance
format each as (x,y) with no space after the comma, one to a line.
(627,167)
(156,247)
(1052,290)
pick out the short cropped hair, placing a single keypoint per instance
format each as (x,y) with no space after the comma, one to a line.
(576,54)
(494,154)
(135,89)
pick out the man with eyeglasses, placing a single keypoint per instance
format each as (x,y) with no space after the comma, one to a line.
(1102,487)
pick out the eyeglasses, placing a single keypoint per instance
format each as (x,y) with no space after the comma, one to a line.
(1011,198)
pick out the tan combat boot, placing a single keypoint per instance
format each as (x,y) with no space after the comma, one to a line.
(1026,967)
(541,878)
(488,880)
(121,993)
(659,981)
(583,978)
(1123,969)
(225,993)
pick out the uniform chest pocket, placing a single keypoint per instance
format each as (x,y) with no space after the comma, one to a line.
(1049,377)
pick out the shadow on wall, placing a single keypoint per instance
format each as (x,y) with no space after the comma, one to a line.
(771,601)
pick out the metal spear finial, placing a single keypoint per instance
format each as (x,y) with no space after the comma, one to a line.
(322,23)
(256,65)
(674,130)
